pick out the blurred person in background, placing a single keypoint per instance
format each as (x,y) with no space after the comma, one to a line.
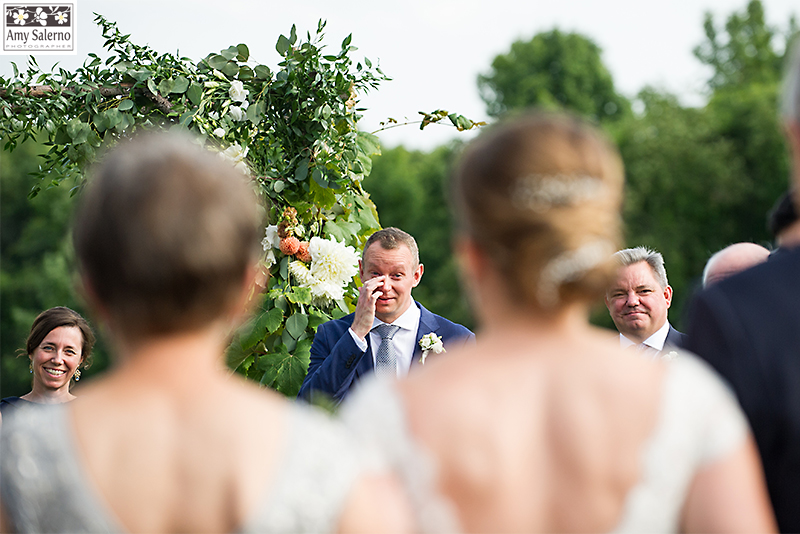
(733,259)
(748,328)
(783,223)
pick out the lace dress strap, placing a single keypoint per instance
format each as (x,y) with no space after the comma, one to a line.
(375,413)
(700,422)
(320,465)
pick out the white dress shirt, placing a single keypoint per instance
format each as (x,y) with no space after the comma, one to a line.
(403,340)
(655,341)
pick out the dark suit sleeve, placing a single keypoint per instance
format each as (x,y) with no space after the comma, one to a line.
(334,358)
(718,335)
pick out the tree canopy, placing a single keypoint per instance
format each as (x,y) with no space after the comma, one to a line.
(553,70)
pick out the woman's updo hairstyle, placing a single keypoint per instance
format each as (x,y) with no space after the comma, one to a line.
(541,195)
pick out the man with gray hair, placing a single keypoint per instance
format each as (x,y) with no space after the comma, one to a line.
(638,301)
(748,328)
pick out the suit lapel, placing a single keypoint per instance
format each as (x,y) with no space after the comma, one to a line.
(366,365)
(427,324)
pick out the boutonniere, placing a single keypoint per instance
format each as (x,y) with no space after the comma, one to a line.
(671,355)
(430,343)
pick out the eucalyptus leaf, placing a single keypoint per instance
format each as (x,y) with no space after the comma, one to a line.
(195,93)
(301,173)
(180,85)
(231,69)
(262,72)
(283,45)
(217,61)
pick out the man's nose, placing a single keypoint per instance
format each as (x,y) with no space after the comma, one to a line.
(633,299)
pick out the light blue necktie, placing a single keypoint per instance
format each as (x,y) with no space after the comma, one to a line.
(386,357)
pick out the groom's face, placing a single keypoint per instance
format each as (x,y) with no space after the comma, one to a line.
(401,274)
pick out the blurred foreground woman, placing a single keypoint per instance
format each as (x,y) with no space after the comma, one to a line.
(167,239)
(546,425)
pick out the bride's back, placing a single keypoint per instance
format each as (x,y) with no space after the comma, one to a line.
(534,438)
(540,426)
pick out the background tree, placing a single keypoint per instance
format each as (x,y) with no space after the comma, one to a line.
(553,70)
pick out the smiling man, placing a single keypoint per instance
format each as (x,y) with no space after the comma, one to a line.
(383,335)
(638,301)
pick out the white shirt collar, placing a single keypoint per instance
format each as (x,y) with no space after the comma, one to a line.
(656,340)
(408,321)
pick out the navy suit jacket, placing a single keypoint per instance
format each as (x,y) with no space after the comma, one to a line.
(337,363)
(674,340)
(748,328)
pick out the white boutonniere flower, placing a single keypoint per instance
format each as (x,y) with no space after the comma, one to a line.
(671,355)
(430,343)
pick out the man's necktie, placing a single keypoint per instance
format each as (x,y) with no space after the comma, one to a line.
(386,358)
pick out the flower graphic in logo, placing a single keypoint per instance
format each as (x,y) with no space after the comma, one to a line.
(41,16)
(19,17)
(61,18)
(430,343)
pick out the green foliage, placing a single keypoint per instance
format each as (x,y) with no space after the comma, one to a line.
(553,70)
(408,188)
(294,130)
(744,54)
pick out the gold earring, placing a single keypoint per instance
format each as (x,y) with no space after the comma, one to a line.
(30,367)
(77,375)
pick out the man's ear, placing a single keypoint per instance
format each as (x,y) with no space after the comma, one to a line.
(418,274)
(361,270)
(668,295)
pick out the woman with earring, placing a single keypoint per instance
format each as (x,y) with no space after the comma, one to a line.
(545,425)
(167,237)
(59,344)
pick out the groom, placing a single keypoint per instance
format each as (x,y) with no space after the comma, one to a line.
(384,333)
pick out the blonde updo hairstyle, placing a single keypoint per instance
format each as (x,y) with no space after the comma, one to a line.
(540,195)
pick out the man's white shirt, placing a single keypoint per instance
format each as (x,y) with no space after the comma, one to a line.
(655,341)
(403,340)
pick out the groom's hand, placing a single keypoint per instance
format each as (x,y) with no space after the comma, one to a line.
(365,308)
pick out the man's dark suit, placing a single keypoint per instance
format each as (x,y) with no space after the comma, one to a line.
(748,328)
(675,340)
(337,362)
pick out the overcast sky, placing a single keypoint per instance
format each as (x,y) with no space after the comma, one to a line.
(433,50)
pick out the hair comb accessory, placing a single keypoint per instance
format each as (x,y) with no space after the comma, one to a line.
(540,192)
(571,266)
